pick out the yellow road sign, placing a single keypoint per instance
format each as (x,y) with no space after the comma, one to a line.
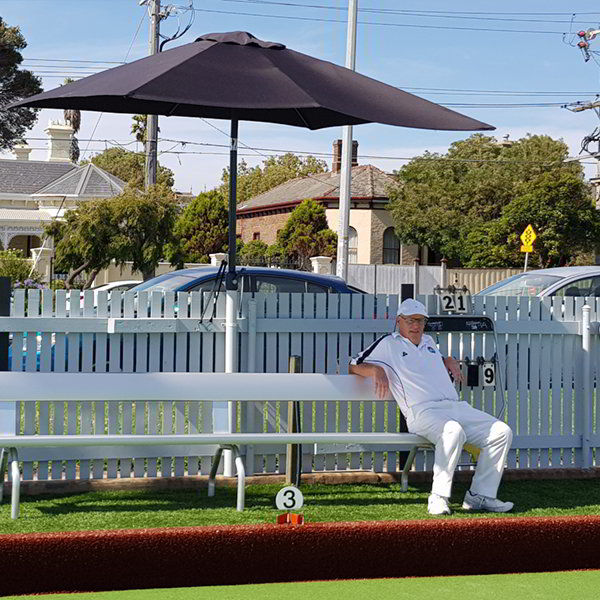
(528,237)
(526,248)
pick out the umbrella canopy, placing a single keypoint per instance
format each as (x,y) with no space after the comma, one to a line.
(236,76)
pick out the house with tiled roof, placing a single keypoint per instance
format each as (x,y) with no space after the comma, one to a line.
(34,192)
(371,237)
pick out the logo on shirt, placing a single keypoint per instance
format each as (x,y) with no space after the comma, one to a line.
(432,350)
(404,353)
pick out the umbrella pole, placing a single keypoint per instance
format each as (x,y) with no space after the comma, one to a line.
(231,300)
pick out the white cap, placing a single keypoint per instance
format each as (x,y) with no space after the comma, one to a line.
(412,307)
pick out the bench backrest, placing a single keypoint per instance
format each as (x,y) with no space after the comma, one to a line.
(214,387)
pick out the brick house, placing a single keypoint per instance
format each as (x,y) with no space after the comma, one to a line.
(371,235)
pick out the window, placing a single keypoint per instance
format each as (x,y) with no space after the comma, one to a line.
(273,284)
(391,247)
(256,235)
(352,246)
(207,286)
(582,287)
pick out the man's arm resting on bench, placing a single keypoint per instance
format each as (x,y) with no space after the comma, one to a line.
(453,367)
(378,375)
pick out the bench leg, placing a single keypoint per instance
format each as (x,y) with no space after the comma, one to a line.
(241,479)
(407,467)
(16,483)
(213,471)
(3,465)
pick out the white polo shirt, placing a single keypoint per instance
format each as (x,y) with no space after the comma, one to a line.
(416,374)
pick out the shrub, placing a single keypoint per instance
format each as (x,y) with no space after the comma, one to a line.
(16,267)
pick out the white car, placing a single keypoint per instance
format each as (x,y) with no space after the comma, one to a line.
(558,281)
(113,286)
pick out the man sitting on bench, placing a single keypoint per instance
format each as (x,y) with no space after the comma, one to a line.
(408,363)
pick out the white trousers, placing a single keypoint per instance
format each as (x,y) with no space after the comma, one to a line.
(449,424)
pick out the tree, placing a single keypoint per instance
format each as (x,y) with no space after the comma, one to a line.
(83,240)
(202,229)
(306,234)
(17,268)
(133,227)
(254,253)
(15,84)
(73,118)
(558,207)
(275,171)
(458,204)
(129,166)
(144,225)
(139,127)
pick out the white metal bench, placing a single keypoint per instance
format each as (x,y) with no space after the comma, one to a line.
(18,387)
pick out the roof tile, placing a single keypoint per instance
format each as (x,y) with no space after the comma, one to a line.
(29,176)
(367,182)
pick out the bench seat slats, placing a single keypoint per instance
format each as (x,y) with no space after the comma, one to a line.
(405,440)
(218,387)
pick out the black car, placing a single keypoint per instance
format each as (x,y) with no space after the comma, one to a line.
(250,279)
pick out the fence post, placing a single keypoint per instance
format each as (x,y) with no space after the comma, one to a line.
(416,264)
(587,391)
(253,408)
(444,273)
(321,264)
(4,312)
(294,451)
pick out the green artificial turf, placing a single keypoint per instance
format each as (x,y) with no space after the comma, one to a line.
(342,502)
(565,585)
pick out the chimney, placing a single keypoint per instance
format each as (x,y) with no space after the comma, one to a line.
(22,151)
(59,143)
(336,164)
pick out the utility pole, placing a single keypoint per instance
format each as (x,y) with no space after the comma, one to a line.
(346,167)
(594,137)
(152,120)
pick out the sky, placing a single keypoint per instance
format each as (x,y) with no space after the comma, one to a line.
(513,68)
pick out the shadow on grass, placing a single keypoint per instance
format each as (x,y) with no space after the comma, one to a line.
(574,496)
(224,499)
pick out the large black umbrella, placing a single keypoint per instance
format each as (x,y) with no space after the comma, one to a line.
(236,76)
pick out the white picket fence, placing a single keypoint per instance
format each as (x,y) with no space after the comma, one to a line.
(542,390)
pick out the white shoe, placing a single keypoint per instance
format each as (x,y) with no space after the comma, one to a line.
(479,502)
(438,505)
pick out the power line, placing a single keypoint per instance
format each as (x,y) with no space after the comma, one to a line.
(429,90)
(126,57)
(442,27)
(58,71)
(270,152)
(73,60)
(423,13)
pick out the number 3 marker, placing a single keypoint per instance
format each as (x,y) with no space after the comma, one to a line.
(289,498)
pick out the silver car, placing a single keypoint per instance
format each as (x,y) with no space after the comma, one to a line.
(558,281)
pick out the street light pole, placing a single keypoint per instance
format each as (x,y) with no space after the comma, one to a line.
(346,167)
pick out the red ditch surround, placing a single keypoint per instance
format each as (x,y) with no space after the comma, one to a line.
(194,556)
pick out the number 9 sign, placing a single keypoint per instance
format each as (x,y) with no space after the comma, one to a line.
(489,374)
(289,498)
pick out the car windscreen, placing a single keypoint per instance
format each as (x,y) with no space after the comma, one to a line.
(165,285)
(522,284)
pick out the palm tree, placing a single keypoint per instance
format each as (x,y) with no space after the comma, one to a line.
(138,128)
(73,118)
